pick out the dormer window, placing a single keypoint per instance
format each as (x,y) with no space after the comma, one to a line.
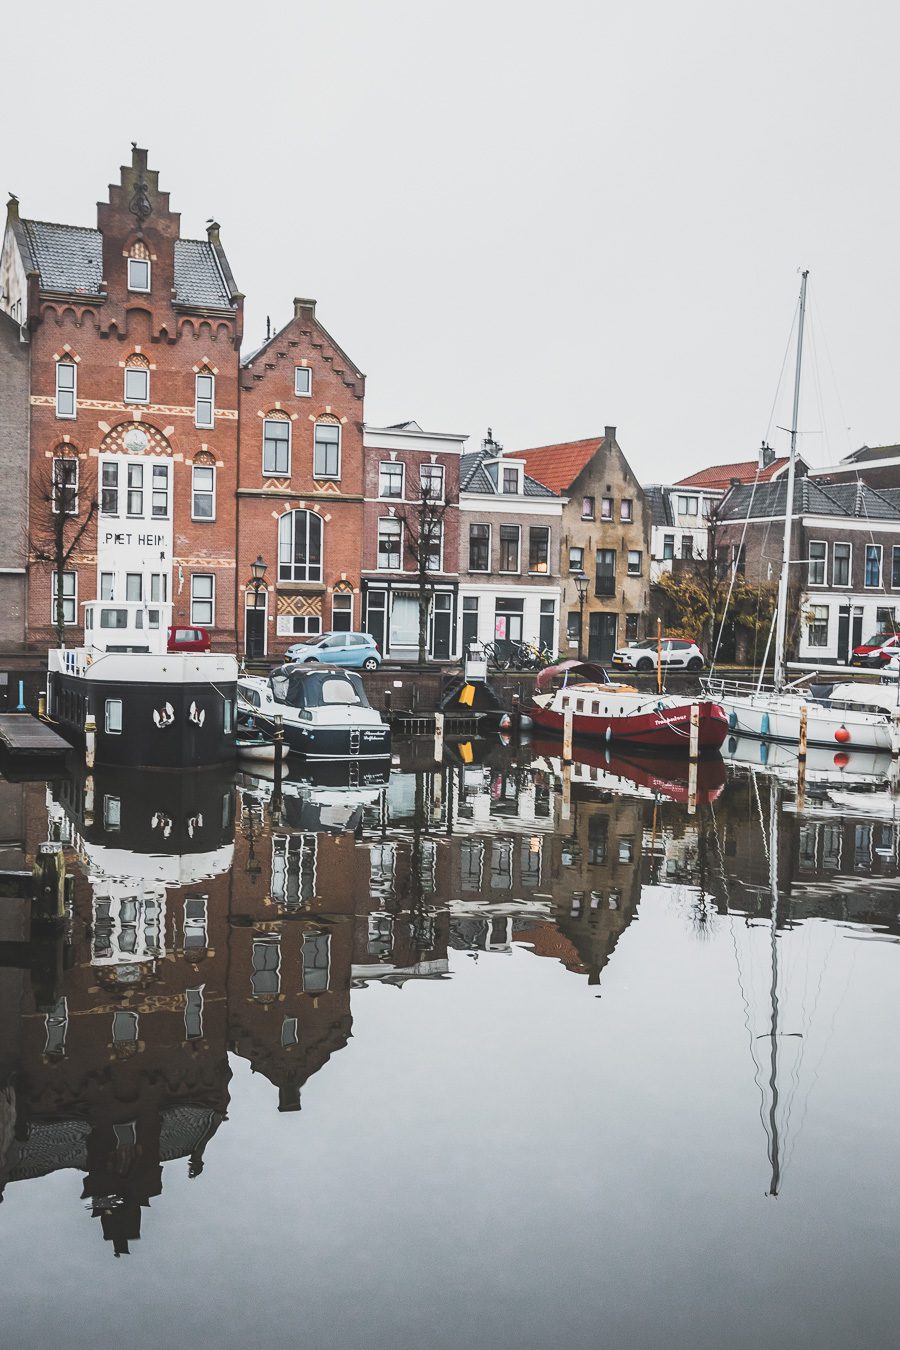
(139,274)
(511,481)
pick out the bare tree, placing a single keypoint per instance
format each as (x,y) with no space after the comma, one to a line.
(423,529)
(60,519)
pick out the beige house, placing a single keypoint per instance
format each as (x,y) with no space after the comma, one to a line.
(605,538)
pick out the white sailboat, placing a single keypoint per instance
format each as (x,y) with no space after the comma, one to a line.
(852,716)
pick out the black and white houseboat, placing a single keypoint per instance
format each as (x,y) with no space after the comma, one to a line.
(323,709)
(151,708)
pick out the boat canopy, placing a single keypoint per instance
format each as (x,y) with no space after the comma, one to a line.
(585,670)
(306,687)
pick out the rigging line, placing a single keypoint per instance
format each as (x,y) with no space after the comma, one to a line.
(845,430)
(781,372)
(817,382)
(803,1044)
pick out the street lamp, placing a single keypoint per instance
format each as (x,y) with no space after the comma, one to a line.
(581,585)
(257,584)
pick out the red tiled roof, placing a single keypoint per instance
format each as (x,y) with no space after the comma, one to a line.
(720,475)
(557,466)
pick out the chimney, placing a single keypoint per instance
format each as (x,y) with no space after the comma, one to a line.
(766,455)
(735,482)
(12,207)
(212,231)
(304,308)
(610,433)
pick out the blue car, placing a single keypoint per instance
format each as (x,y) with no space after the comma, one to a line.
(337,649)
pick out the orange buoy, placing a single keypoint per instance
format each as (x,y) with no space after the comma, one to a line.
(841,760)
(842,735)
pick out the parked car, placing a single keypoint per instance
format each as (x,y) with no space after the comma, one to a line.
(188,640)
(674,654)
(877,651)
(337,649)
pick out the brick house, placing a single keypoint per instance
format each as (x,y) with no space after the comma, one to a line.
(606,535)
(15,408)
(134,335)
(510,529)
(300,486)
(402,461)
(846,536)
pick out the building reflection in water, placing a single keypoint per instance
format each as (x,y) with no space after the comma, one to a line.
(210,916)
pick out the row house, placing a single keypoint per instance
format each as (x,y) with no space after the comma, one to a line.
(605,540)
(411,518)
(132,410)
(300,487)
(510,536)
(845,557)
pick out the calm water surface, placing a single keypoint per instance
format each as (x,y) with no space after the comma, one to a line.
(476,1056)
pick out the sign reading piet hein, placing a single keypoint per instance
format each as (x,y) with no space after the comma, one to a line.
(123,538)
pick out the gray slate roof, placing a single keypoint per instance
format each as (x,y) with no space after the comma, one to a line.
(659,499)
(474,477)
(812,498)
(69,258)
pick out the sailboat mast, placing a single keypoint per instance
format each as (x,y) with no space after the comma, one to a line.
(774,1142)
(789,501)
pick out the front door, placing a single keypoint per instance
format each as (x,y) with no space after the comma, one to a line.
(856,636)
(255,631)
(440,627)
(602,636)
(843,633)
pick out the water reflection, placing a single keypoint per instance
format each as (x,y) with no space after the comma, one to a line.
(212,916)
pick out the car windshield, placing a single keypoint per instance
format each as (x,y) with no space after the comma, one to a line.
(879,639)
(647,643)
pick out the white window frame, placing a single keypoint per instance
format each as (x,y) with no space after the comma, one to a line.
(576,548)
(134,464)
(202,401)
(511,469)
(623,518)
(112,464)
(307,371)
(203,600)
(69,365)
(136,370)
(203,492)
(877,586)
(432,527)
(506,571)
(132,286)
(386,567)
(429,471)
(112,717)
(390,496)
(107,583)
(288,522)
(609,502)
(480,571)
(64,459)
(327,477)
(159,473)
(67,623)
(281,422)
(810,560)
(634,553)
(815,623)
(537,571)
(684,506)
(895,549)
(342,610)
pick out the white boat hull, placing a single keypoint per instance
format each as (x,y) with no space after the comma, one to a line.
(776,717)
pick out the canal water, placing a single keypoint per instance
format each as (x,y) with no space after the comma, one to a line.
(486,1053)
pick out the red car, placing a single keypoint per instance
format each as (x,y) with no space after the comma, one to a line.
(877,651)
(188,640)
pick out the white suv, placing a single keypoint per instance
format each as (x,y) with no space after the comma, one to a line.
(674,654)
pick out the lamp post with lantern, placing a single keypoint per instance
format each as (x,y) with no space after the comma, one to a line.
(581,585)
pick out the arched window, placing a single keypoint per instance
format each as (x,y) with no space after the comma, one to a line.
(300,546)
(137,379)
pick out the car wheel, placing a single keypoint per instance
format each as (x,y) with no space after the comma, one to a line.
(310,661)
(370,663)
(695,663)
(644,664)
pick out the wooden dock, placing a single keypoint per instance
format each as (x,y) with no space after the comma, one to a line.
(22,736)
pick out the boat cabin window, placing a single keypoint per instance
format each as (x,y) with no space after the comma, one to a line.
(339,691)
(114,618)
(113,721)
(249,695)
(306,688)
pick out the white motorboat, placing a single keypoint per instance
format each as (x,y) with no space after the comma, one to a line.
(323,710)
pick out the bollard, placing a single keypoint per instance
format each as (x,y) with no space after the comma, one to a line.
(48,887)
(387,704)
(516,717)
(90,740)
(692,788)
(439,737)
(568,722)
(804,719)
(694,748)
(42,704)
(20,706)
(278,741)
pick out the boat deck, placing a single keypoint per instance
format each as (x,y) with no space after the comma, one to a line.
(21,734)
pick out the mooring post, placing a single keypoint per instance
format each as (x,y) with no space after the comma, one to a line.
(695,731)
(20,706)
(568,722)
(895,732)
(90,740)
(387,704)
(89,799)
(516,717)
(692,788)
(439,737)
(278,741)
(566,808)
(42,704)
(48,887)
(804,721)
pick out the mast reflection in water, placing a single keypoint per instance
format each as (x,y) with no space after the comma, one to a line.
(219,926)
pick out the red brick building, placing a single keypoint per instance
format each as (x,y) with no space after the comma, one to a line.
(134,336)
(300,488)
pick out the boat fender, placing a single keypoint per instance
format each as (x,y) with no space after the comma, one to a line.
(764,725)
(608,735)
(841,760)
(732,744)
(732,720)
(842,735)
(764,753)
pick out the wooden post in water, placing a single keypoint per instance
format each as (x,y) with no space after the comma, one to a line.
(278,740)
(659,656)
(387,704)
(48,888)
(895,733)
(692,788)
(694,747)
(801,758)
(439,737)
(566,808)
(90,740)
(568,723)
(516,718)
(42,704)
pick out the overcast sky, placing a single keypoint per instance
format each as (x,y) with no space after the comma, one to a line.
(546,218)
